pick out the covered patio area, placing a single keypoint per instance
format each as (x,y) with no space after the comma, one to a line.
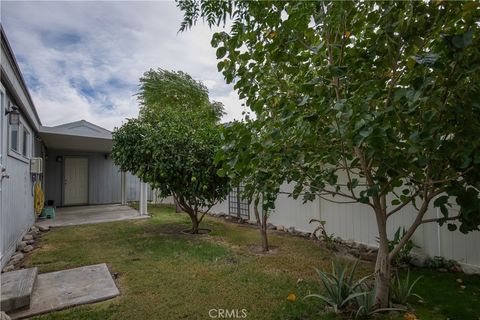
(81,176)
(78,215)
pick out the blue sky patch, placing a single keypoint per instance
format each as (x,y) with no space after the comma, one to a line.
(60,40)
(83,59)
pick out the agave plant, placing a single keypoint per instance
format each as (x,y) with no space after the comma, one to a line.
(402,290)
(339,286)
(367,304)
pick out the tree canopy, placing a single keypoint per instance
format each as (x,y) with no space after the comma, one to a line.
(159,88)
(375,102)
(249,158)
(173,143)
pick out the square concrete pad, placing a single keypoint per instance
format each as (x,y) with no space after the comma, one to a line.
(16,288)
(72,216)
(62,289)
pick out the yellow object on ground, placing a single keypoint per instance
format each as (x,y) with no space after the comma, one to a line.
(39,198)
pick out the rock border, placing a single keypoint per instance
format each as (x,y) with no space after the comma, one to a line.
(24,247)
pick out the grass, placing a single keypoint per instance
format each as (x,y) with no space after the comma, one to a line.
(164,274)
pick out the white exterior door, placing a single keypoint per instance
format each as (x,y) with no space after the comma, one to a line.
(76,181)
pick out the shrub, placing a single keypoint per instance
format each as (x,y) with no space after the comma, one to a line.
(328,239)
(339,286)
(438,262)
(402,290)
(367,304)
(403,255)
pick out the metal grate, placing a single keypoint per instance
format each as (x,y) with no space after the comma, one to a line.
(238,207)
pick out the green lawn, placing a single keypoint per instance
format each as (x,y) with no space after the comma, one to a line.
(164,274)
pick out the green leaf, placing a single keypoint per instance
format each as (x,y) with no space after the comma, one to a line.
(221,52)
(451,227)
(220,66)
(440,201)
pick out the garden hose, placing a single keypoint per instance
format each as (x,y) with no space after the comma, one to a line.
(38,198)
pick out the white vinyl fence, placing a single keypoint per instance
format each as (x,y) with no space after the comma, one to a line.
(357,222)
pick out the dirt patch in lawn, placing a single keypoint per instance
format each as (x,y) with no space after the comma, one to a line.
(165,229)
(201,231)
(258,250)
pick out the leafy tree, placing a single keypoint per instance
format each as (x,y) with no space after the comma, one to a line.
(246,159)
(173,143)
(377,102)
(159,88)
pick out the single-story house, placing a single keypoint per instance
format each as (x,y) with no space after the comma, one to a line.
(71,161)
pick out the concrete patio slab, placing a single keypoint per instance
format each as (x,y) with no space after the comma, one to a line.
(62,289)
(16,288)
(72,216)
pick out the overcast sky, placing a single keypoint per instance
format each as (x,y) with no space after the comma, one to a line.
(82,60)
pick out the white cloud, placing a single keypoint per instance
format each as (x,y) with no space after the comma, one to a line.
(83,59)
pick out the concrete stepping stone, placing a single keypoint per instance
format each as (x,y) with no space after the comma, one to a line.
(16,288)
(67,288)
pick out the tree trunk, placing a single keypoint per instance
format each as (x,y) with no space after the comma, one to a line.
(382,269)
(195,224)
(262,223)
(177,206)
(263,233)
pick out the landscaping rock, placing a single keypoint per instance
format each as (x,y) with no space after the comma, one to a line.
(33,234)
(418,258)
(469,269)
(30,241)
(270,226)
(34,229)
(21,245)
(361,247)
(17,257)
(353,251)
(350,243)
(291,229)
(44,228)
(456,268)
(28,248)
(9,267)
(27,237)
(280,228)
(368,256)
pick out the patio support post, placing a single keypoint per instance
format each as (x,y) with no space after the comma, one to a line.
(123,183)
(143,198)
